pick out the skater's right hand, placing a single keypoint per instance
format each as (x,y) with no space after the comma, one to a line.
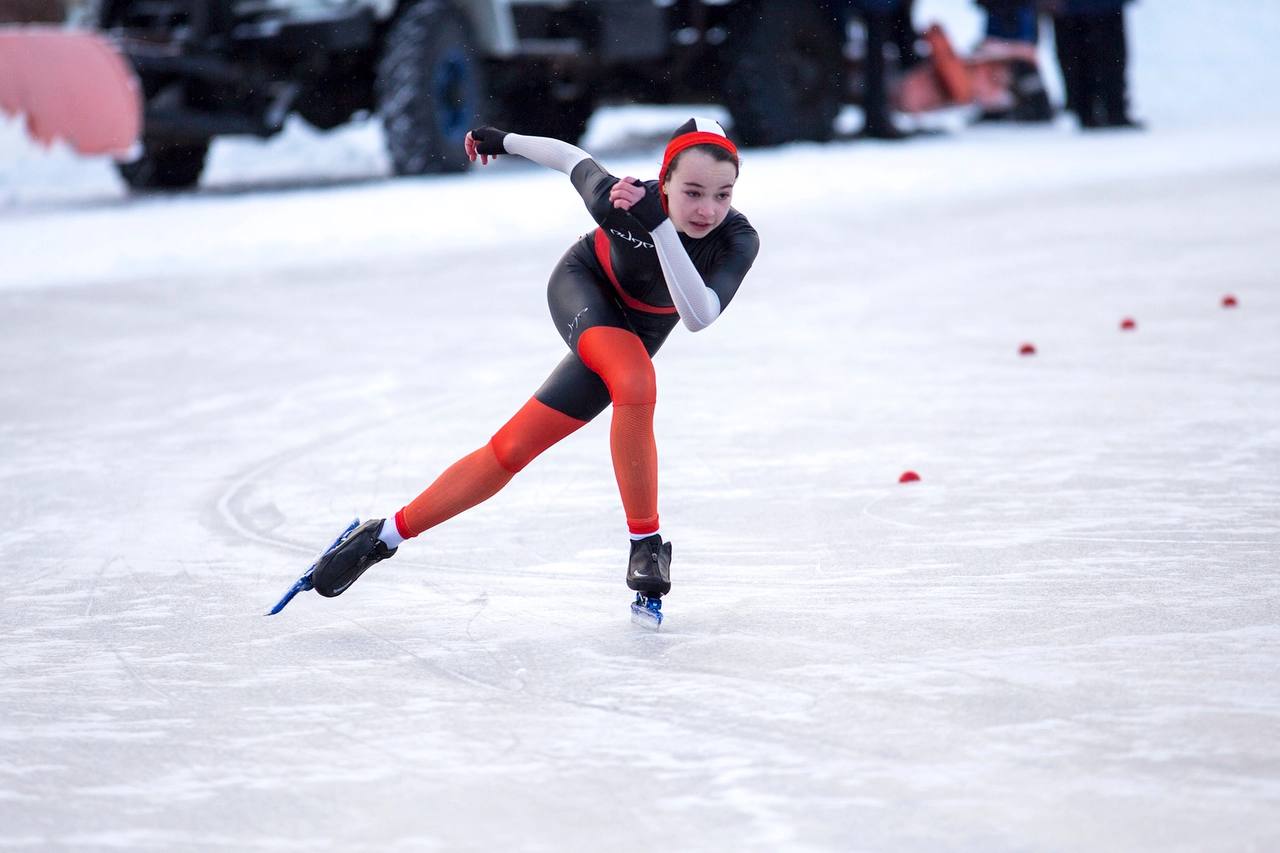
(485,142)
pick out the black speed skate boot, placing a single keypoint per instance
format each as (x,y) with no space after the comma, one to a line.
(649,574)
(339,569)
(649,571)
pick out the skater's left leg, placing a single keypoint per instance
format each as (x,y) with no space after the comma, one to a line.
(619,358)
(614,365)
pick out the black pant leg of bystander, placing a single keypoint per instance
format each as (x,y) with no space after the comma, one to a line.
(1113,64)
(1067,44)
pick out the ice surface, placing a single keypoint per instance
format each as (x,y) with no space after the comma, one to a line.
(1065,637)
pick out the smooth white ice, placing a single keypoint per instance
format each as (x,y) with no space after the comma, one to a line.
(1065,637)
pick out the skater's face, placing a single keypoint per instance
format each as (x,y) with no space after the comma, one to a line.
(699,191)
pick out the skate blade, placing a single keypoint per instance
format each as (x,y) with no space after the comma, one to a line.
(646,617)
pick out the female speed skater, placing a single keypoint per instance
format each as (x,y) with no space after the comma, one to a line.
(666,251)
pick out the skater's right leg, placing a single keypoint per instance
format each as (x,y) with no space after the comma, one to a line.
(482,473)
(474,478)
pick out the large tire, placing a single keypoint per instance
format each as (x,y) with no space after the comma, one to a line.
(533,109)
(429,89)
(785,74)
(167,166)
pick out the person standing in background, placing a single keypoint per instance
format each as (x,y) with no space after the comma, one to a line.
(886,22)
(1093,53)
(1016,24)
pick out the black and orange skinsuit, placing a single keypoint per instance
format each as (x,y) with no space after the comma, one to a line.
(610,301)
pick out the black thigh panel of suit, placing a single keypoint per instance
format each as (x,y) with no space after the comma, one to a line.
(580,297)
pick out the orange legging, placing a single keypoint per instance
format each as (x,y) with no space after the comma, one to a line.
(618,356)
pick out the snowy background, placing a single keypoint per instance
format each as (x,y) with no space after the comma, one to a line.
(1065,637)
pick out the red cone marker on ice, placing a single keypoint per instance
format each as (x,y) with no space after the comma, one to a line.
(909,477)
(1229,301)
(1128,324)
(1027,349)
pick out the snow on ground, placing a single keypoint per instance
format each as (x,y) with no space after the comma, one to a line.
(1065,637)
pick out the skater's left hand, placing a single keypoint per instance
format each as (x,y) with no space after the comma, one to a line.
(632,196)
(625,193)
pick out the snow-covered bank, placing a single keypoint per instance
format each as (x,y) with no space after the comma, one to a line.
(1195,64)
(228,232)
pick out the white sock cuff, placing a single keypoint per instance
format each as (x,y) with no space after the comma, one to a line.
(390,534)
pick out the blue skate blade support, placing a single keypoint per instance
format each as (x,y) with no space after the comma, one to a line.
(303,583)
(647,612)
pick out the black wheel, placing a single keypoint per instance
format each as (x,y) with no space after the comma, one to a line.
(165,166)
(429,89)
(534,110)
(785,74)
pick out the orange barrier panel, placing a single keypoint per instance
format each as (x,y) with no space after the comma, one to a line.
(71,86)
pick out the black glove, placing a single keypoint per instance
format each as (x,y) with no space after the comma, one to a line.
(489,140)
(648,210)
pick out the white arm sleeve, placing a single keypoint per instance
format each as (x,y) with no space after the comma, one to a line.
(697,304)
(545,151)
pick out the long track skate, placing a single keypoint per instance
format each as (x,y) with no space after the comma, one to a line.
(304,583)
